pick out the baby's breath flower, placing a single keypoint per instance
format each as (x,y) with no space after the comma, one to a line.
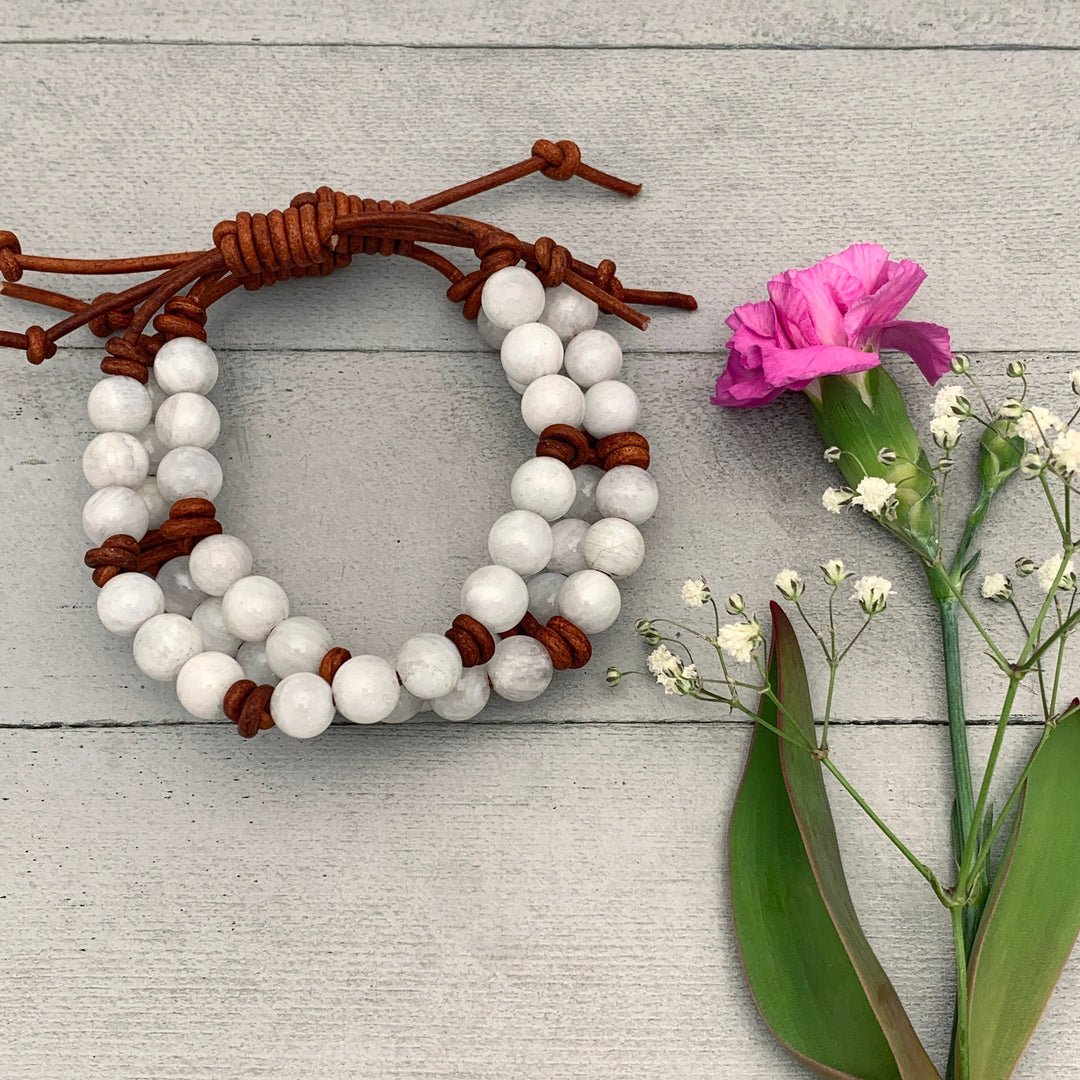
(874,493)
(1038,425)
(1011,409)
(834,572)
(951,401)
(1048,572)
(1016,369)
(997,587)
(959,364)
(1025,566)
(1074,381)
(946,431)
(695,592)
(1032,466)
(662,661)
(649,632)
(668,682)
(1066,455)
(872,593)
(789,583)
(739,640)
(735,604)
(613,676)
(832,453)
(887,455)
(835,499)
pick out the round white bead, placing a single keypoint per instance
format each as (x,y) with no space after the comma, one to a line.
(521,540)
(366,689)
(566,554)
(189,472)
(429,665)
(114,510)
(153,387)
(627,492)
(182,595)
(467,699)
(186,364)
(586,477)
(567,312)
(590,600)
(490,333)
(210,622)
(127,601)
(530,351)
(302,705)
(117,403)
(593,356)
(405,709)
(153,446)
(115,457)
(156,507)
(610,406)
(495,595)
(544,485)
(187,420)
(252,658)
(543,595)
(521,668)
(164,644)
(219,561)
(613,546)
(512,296)
(552,399)
(253,606)
(201,683)
(297,644)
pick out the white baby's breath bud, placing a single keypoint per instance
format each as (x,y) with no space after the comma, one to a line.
(649,632)
(1025,566)
(789,583)
(834,572)
(613,676)
(892,509)
(959,364)
(1074,382)
(1016,369)
(1066,455)
(832,453)
(835,499)
(874,493)
(739,640)
(688,680)
(997,587)
(735,604)
(662,661)
(1032,466)
(872,593)
(945,464)
(1048,572)
(1011,409)
(1038,425)
(951,401)
(946,431)
(887,455)
(695,592)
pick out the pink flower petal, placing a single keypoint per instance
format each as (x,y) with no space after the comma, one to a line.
(759,318)
(794,368)
(866,263)
(926,343)
(904,278)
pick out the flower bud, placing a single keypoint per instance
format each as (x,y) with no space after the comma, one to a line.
(1016,369)
(946,431)
(735,604)
(960,364)
(832,454)
(1025,566)
(945,464)
(1032,466)
(997,587)
(695,592)
(649,632)
(872,593)
(789,583)
(834,572)
(892,509)
(1011,409)
(886,455)
(613,676)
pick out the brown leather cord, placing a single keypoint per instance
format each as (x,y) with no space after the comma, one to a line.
(116,555)
(567,645)
(623,448)
(576,448)
(473,640)
(328,667)
(248,707)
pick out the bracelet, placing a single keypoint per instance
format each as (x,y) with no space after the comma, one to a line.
(183,589)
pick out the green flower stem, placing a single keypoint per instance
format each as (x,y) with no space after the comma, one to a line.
(961,1052)
(828,707)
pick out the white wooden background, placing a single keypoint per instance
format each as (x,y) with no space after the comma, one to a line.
(538,894)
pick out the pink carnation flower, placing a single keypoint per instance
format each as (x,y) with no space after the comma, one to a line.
(828,320)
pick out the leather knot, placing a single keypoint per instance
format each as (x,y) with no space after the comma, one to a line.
(248,707)
(191,519)
(497,250)
(130,358)
(183,316)
(38,346)
(623,448)
(553,261)
(328,666)
(572,447)
(108,322)
(9,248)
(563,158)
(567,645)
(473,640)
(116,555)
(605,279)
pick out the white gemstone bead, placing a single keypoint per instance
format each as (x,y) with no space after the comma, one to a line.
(115,457)
(406,708)
(590,600)
(495,595)
(186,365)
(117,403)
(153,446)
(429,665)
(627,492)
(586,477)
(552,399)
(517,387)
(253,606)
(302,705)
(544,485)
(164,644)
(566,554)
(366,689)
(543,594)
(490,333)
(112,510)
(182,595)
(297,644)
(153,388)
(201,683)
(467,699)
(613,546)
(593,356)
(252,658)
(211,625)
(567,312)
(521,540)
(521,668)
(530,351)
(156,507)
(610,406)
(127,601)
(189,472)
(512,296)
(218,562)
(187,420)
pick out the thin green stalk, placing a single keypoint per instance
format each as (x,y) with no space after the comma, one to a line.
(1061,651)
(828,707)
(962,1052)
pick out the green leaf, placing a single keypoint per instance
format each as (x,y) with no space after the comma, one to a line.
(1033,915)
(811,971)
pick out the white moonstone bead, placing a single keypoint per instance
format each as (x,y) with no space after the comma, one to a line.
(366,689)
(297,644)
(252,658)
(182,595)
(153,446)
(112,510)
(153,388)
(429,665)
(567,312)
(186,364)
(211,624)
(115,457)
(530,351)
(495,595)
(613,546)
(187,420)
(544,485)
(201,683)
(518,387)
(586,477)
(156,507)
(117,403)
(566,554)
(521,540)
(302,705)
(521,668)
(164,644)
(219,561)
(490,333)
(627,492)
(253,606)
(126,601)
(552,399)
(189,472)
(543,595)
(468,698)
(590,600)
(512,296)
(611,406)
(406,708)
(593,356)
